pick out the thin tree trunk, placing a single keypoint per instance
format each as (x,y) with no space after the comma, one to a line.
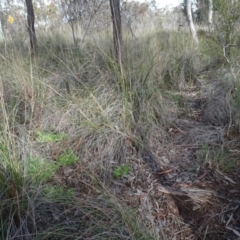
(1,23)
(210,15)
(73,33)
(31,28)
(1,31)
(117,30)
(190,21)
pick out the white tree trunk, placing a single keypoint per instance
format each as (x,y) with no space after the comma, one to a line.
(210,15)
(1,25)
(190,21)
(1,31)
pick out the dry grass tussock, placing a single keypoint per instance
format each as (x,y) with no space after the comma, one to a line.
(222,97)
(90,153)
(89,102)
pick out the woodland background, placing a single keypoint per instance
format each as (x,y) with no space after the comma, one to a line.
(119,120)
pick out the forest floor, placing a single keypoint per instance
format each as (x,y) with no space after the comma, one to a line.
(187,186)
(193,190)
(72,128)
(194,193)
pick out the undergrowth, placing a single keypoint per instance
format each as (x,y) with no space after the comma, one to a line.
(71,110)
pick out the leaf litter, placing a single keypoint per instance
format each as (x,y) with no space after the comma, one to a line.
(189,196)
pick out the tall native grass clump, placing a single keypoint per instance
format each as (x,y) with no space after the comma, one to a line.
(91,99)
(14,207)
(74,96)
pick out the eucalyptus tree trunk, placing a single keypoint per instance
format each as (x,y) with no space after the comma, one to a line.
(210,15)
(1,23)
(117,30)
(31,27)
(1,31)
(190,21)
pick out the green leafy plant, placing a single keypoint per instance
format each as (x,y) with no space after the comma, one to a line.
(68,158)
(40,170)
(228,17)
(57,193)
(43,137)
(120,171)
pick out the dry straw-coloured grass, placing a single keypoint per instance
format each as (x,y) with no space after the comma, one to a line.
(221,101)
(96,114)
(108,119)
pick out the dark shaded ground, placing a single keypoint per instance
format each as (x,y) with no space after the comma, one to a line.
(208,180)
(194,193)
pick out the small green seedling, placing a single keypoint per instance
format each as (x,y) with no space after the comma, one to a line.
(43,137)
(68,158)
(57,193)
(120,171)
(40,170)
